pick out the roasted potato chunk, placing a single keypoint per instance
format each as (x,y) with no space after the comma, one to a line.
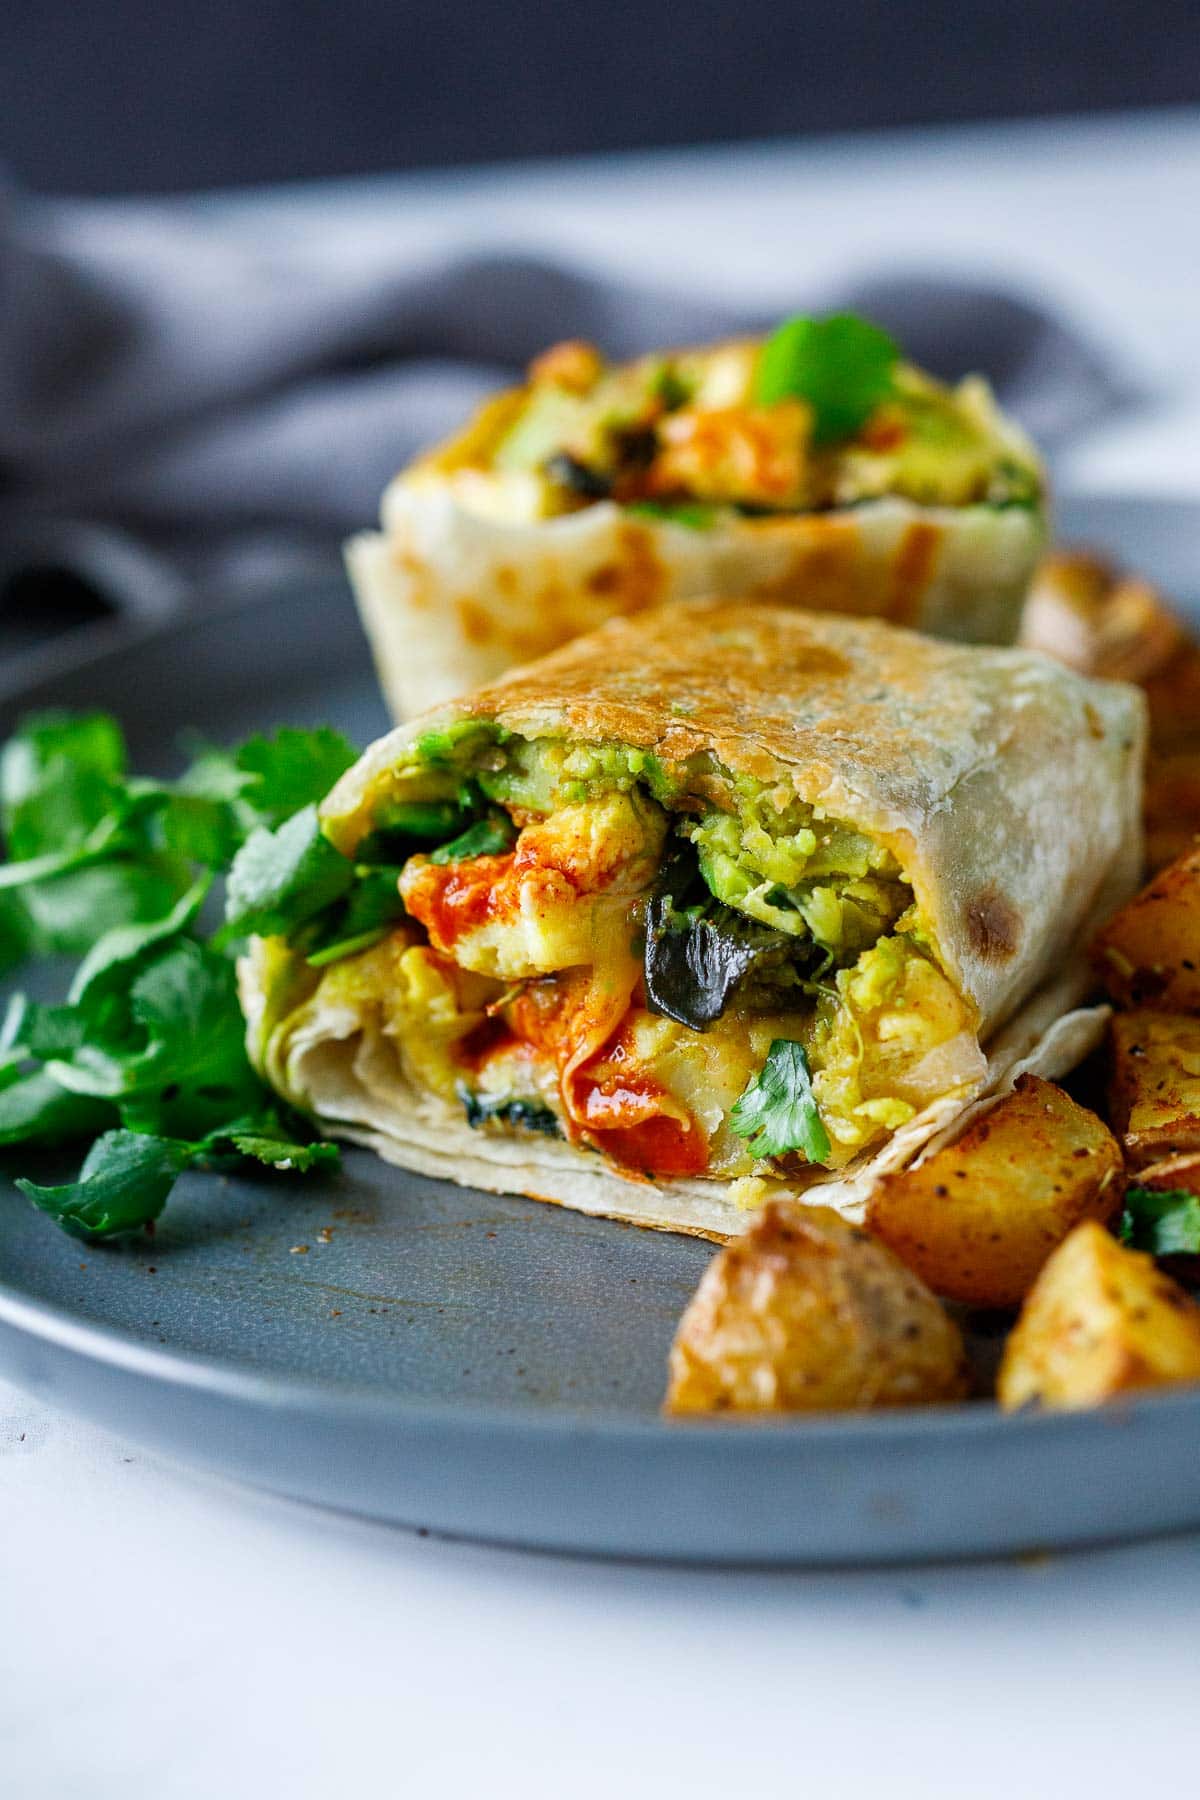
(1154,1087)
(1101,1320)
(1083,612)
(977,1220)
(1149,953)
(1173,690)
(807,1313)
(1171,806)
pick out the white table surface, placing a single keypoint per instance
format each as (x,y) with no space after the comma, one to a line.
(168,1636)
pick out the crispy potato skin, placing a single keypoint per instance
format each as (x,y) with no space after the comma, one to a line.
(806,1313)
(1149,953)
(1085,613)
(1154,1086)
(1101,1321)
(978,1219)
(1171,806)
(1082,611)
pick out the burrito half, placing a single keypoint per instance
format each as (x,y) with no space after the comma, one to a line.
(720,902)
(818,469)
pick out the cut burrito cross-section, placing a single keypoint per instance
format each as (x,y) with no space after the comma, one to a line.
(720,902)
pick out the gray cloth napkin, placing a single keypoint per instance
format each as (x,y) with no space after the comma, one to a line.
(181,405)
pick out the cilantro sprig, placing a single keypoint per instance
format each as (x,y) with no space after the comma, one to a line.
(145,1059)
(1165,1221)
(843,366)
(778,1113)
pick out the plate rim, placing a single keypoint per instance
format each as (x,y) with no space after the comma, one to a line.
(57,1328)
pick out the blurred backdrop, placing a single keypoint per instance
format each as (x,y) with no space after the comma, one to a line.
(243,91)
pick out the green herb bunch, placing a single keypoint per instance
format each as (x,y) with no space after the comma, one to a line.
(145,1059)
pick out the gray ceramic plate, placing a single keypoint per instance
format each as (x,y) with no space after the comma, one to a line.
(492,1368)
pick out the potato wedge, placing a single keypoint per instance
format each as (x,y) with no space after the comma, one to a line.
(1154,1085)
(1173,691)
(1083,612)
(1101,1320)
(1149,953)
(805,1312)
(1174,1175)
(1171,806)
(977,1220)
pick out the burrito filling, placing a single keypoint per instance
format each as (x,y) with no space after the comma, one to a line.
(690,971)
(824,414)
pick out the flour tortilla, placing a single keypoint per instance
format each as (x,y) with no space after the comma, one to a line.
(450,599)
(1007,787)
(350,1077)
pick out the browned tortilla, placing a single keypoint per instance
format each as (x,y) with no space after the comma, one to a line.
(450,599)
(1006,787)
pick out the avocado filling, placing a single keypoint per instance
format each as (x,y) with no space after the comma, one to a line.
(649,962)
(823,414)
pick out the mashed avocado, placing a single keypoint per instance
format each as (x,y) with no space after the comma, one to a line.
(800,873)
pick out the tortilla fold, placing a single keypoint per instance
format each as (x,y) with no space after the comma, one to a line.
(450,599)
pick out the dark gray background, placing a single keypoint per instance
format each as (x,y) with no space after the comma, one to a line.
(119,96)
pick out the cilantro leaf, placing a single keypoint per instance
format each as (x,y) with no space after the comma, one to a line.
(371,908)
(693,514)
(281,878)
(841,365)
(1165,1221)
(123,1184)
(66,915)
(266,1139)
(37,1114)
(116,954)
(99,842)
(16,931)
(149,1048)
(59,774)
(428,821)
(778,1111)
(201,829)
(490,836)
(49,1032)
(194,1073)
(293,769)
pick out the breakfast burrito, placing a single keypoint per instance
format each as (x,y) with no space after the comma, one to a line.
(817,468)
(725,901)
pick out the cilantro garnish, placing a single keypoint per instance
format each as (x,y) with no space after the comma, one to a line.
(146,1059)
(1165,1221)
(842,366)
(778,1111)
(489,836)
(124,1183)
(692,513)
(281,878)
